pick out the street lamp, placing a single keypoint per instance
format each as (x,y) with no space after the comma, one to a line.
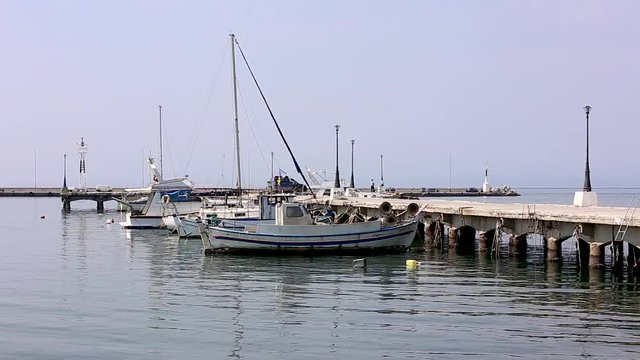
(352,185)
(381,172)
(64,182)
(587,174)
(337,180)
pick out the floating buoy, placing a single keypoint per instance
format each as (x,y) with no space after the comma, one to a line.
(42,217)
(412,264)
(110,221)
(359,263)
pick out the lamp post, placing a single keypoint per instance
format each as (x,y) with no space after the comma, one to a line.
(381,172)
(587,174)
(64,182)
(352,185)
(336,183)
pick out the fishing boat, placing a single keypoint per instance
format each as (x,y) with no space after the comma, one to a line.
(295,230)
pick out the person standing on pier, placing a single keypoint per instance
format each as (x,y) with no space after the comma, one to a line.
(373,186)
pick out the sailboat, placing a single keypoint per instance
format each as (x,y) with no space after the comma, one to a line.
(296,230)
(166,198)
(238,208)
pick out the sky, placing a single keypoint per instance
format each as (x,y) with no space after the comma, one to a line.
(439,88)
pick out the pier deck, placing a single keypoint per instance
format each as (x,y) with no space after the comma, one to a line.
(595,224)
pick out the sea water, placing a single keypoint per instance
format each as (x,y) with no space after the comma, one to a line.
(76,286)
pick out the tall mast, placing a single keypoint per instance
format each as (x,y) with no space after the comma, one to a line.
(161,172)
(235,107)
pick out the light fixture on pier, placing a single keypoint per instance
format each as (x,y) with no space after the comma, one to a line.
(352,184)
(64,181)
(381,171)
(587,174)
(336,183)
(586,197)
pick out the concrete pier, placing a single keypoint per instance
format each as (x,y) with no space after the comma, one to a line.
(453,237)
(595,226)
(554,250)
(596,255)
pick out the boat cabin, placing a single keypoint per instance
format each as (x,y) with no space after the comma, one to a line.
(268,204)
(292,214)
(332,193)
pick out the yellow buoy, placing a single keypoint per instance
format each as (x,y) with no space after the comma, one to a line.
(412,264)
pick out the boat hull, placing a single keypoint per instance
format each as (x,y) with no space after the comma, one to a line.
(190,227)
(143,222)
(325,239)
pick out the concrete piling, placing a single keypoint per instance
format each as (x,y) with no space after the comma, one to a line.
(453,237)
(554,250)
(483,242)
(596,255)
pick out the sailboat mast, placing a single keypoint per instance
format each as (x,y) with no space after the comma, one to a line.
(161,172)
(235,107)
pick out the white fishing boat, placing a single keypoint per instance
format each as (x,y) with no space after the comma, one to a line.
(296,231)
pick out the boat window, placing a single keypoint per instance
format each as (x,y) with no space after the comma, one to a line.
(326,192)
(294,212)
(239,214)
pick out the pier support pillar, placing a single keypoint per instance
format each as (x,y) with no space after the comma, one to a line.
(453,237)
(436,229)
(554,250)
(428,234)
(518,246)
(596,255)
(483,242)
(584,251)
(66,205)
(100,205)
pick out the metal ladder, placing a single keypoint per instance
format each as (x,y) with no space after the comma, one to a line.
(624,226)
(628,216)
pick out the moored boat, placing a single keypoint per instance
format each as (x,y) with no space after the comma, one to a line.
(166,197)
(295,230)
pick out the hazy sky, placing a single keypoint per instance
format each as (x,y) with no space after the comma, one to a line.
(422,82)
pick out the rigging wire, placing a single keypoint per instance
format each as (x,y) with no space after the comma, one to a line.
(212,84)
(255,138)
(295,162)
(166,141)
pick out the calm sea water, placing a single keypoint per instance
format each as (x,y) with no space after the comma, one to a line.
(73,286)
